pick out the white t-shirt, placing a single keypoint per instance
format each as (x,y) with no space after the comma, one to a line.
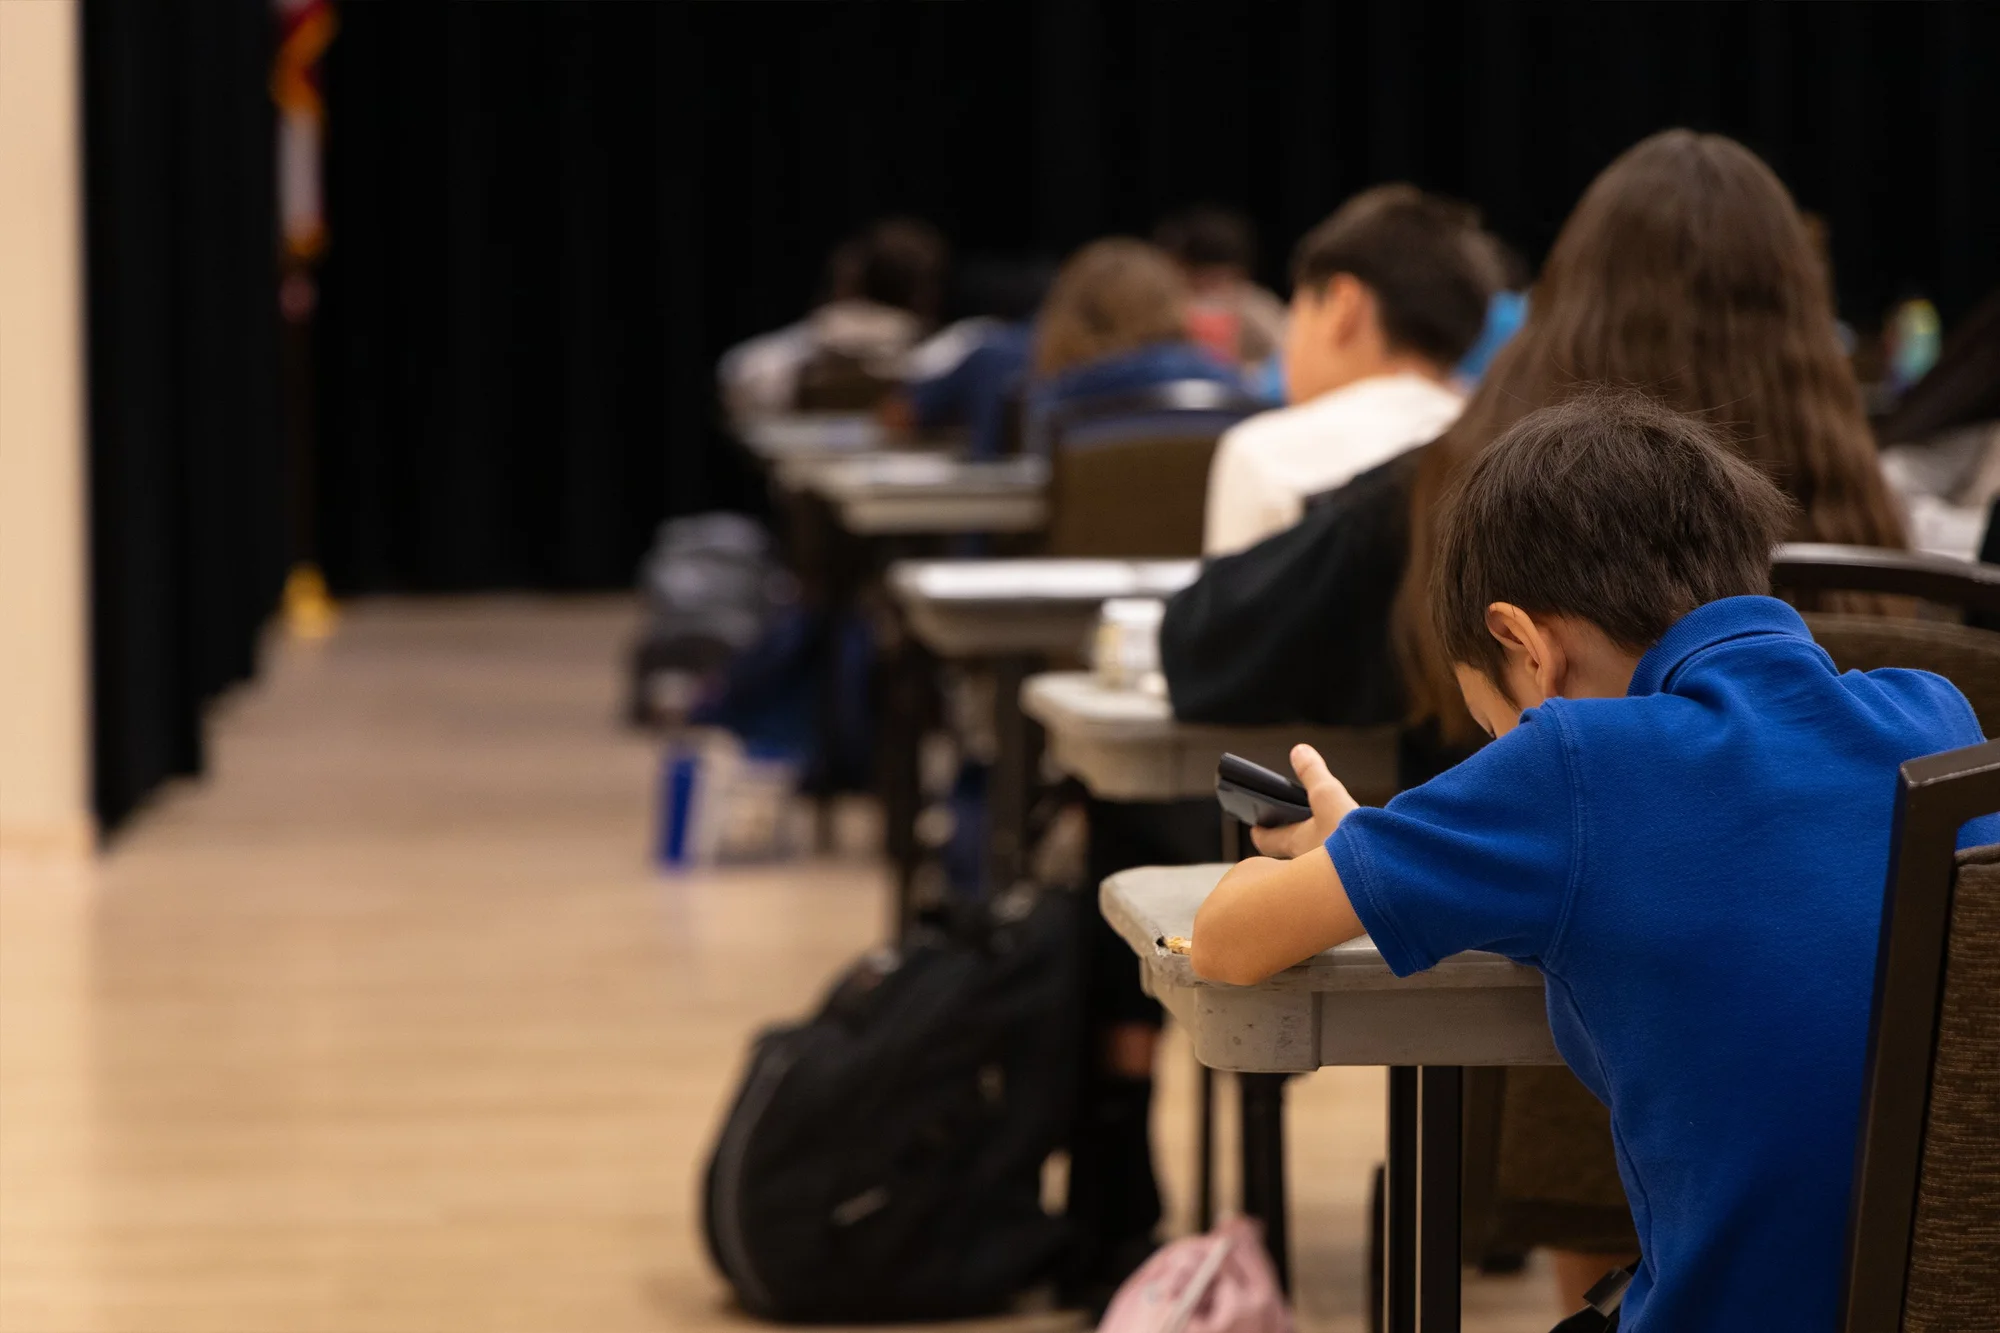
(760,375)
(1265,467)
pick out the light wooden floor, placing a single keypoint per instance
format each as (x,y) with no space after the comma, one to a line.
(387,1027)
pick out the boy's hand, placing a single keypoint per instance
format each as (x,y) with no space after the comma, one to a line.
(1330,804)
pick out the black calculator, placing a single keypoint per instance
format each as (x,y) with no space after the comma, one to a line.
(1257,796)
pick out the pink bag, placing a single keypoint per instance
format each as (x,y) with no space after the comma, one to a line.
(1223,1282)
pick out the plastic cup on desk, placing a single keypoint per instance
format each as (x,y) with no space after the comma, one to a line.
(1126,650)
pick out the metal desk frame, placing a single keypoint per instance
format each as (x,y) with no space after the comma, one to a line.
(1470,1009)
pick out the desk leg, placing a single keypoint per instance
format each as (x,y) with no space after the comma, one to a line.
(906,673)
(1399,1247)
(825,563)
(1263,1130)
(1440,1128)
(1204,1111)
(1204,1150)
(1264,1163)
(1016,760)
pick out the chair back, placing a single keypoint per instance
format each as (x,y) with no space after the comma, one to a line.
(1965,655)
(1925,1216)
(1128,473)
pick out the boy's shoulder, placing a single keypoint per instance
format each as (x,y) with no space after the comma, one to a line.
(1643,746)
(1924,695)
(1580,753)
(1288,424)
(1895,696)
(1380,404)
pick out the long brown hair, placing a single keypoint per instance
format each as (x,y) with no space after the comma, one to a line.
(1111,296)
(1685,272)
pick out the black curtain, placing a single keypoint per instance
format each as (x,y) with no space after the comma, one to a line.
(187,500)
(548,219)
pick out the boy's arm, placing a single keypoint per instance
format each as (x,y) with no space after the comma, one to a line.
(1268,914)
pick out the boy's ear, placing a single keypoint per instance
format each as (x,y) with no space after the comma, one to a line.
(1351,305)
(1510,625)
(1529,647)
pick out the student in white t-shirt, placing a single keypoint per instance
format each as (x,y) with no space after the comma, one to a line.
(1387,295)
(884,287)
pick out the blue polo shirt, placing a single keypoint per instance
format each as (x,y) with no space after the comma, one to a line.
(1698,870)
(975,391)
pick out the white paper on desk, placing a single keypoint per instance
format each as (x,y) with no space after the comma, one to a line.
(1164,578)
(813,433)
(1065,580)
(900,470)
(919,471)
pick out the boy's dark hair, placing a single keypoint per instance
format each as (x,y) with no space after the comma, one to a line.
(1431,268)
(897,262)
(1609,508)
(1208,236)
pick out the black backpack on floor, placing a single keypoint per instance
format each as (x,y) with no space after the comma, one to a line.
(883,1160)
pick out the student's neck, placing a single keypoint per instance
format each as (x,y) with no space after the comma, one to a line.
(1386,365)
(1408,363)
(1605,673)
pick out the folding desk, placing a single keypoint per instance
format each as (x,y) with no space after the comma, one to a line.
(1345,1007)
(1014,617)
(891,494)
(852,505)
(793,435)
(982,609)
(1126,745)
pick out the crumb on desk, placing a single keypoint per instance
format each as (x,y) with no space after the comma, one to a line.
(1180,944)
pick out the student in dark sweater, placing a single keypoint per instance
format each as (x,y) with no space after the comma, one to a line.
(1685,271)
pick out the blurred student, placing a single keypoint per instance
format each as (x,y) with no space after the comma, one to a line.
(883,292)
(1683,822)
(1941,446)
(1115,322)
(1684,271)
(1228,313)
(970,374)
(1388,295)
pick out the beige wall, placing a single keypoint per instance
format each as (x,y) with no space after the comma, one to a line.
(44,736)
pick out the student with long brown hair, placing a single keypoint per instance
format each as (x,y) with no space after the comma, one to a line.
(1685,272)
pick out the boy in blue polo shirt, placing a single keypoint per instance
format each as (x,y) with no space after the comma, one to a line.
(1683,822)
